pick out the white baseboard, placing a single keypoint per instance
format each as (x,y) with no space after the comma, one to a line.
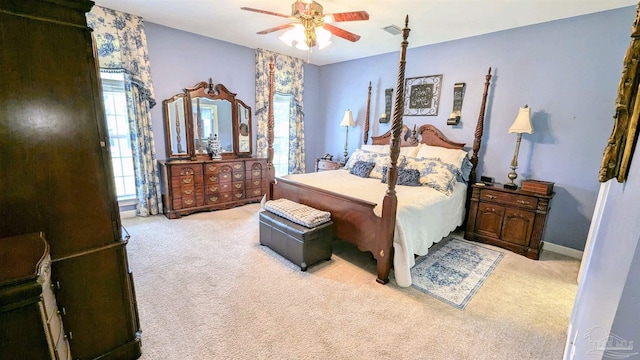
(562,250)
(127,214)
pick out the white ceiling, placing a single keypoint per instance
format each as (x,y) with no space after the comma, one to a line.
(431,21)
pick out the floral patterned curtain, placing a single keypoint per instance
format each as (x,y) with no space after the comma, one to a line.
(122,46)
(288,80)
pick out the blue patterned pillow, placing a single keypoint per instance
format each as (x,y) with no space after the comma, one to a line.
(383,161)
(408,177)
(361,155)
(362,168)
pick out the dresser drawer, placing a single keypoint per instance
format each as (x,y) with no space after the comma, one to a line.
(238,175)
(528,202)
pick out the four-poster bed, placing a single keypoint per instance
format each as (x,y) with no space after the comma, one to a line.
(371,225)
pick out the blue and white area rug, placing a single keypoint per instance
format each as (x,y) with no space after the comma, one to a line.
(454,270)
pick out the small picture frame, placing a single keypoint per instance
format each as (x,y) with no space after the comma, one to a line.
(422,95)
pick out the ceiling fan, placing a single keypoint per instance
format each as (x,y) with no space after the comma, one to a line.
(308,26)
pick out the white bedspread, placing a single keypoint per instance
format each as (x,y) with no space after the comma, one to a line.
(423,218)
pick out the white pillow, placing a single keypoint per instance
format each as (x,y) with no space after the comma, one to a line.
(410,151)
(381,149)
(449,156)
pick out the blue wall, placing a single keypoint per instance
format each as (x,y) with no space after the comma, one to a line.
(567,71)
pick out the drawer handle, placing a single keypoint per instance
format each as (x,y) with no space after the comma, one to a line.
(237,166)
(55,286)
(212,168)
(256,182)
(238,186)
(491,196)
(213,198)
(523,202)
(238,176)
(188,201)
(256,173)
(213,178)
(188,191)
(187,180)
(238,195)
(256,192)
(213,189)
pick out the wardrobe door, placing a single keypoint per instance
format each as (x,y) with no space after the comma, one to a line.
(55,170)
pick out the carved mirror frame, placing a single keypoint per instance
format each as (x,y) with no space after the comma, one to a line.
(175,127)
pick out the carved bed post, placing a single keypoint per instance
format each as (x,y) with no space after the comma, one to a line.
(271,172)
(479,130)
(383,253)
(366,121)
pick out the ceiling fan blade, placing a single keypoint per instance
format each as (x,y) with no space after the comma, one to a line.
(342,33)
(277,28)
(264,12)
(349,16)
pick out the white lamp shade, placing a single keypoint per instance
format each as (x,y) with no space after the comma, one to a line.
(347,120)
(522,124)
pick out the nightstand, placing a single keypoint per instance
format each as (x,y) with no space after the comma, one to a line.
(511,219)
(322,165)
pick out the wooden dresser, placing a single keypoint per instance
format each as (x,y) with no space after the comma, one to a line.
(204,185)
(31,326)
(511,219)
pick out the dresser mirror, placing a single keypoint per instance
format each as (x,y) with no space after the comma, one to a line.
(207,117)
(175,126)
(244,129)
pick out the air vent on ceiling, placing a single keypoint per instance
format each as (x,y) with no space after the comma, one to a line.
(393,29)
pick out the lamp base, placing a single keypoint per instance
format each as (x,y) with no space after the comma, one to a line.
(511,186)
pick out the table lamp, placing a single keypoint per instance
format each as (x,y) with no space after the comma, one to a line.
(521,125)
(347,121)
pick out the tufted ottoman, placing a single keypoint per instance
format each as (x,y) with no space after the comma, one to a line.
(302,245)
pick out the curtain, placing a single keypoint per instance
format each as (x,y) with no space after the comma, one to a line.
(288,80)
(122,46)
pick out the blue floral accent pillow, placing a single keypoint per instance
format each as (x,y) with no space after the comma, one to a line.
(408,177)
(383,161)
(436,174)
(362,168)
(361,155)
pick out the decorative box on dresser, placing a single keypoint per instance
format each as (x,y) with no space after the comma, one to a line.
(511,219)
(28,303)
(56,174)
(324,164)
(204,185)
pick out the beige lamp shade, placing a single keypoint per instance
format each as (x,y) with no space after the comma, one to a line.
(522,124)
(347,120)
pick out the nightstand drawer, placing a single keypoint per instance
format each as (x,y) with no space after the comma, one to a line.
(528,202)
(327,165)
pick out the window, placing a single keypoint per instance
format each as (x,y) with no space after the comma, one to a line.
(281,119)
(115,106)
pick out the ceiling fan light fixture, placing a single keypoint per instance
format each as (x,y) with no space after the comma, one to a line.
(323,36)
(293,36)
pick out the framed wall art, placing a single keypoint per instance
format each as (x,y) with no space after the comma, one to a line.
(422,95)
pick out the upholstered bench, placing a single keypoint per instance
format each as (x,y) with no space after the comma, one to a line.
(303,245)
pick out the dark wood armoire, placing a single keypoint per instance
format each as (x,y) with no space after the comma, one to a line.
(55,171)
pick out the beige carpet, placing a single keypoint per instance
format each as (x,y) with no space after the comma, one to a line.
(206,289)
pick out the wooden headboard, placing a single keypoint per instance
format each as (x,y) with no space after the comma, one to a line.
(407,137)
(429,135)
